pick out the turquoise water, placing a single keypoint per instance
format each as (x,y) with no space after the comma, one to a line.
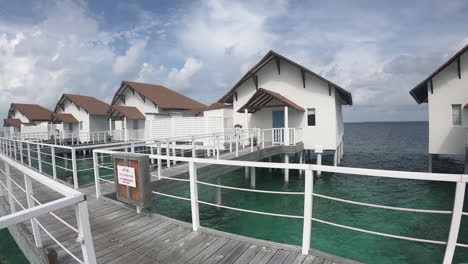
(9,251)
(396,146)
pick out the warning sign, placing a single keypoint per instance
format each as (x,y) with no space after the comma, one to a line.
(126,176)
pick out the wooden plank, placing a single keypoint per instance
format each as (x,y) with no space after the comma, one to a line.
(222,252)
(279,257)
(298,258)
(192,252)
(248,255)
(208,251)
(235,253)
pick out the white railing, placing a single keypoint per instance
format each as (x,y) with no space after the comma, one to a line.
(309,192)
(24,206)
(57,161)
(282,136)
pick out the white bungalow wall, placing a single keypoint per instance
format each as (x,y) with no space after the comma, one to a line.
(145,107)
(80,114)
(28,126)
(224,113)
(329,123)
(444,137)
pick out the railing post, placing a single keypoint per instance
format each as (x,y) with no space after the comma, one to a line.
(168,153)
(35,228)
(194,196)
(159,159)
(308,190)
(54,167)
(237,145)
(455,224)
(39,161)
(132,148)
(75,169)
(21,152)
(29,155)
(14,150)
(217,147)
(194,151)
(11,200)
(96,174)
(85,239)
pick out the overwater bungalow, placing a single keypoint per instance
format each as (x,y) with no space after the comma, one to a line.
(296,103)
(27,118)
(151,101)
(445,92)
(84,115)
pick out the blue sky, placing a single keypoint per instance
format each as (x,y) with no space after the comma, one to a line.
(378,50)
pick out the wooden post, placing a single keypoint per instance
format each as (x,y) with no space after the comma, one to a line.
(246,172)
(301,159)
(11,200)
(269,160)
(218,191)
(85,238)
(306,230)
(429,169)
(335,157)
(35,227)
(194,196)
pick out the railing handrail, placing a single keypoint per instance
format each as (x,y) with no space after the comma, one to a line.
(308,193)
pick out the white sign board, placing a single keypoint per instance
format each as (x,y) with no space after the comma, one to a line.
(126,176)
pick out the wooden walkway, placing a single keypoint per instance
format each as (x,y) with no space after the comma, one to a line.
(121,235)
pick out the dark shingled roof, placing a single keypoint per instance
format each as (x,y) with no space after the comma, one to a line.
(262,97)
(63,117)
(218,105)
(33,112)
(129,112)
(345,95)
(419,92)
(92,105)
(12,122)
(161,96)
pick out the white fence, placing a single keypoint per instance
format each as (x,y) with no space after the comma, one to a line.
(183,126)
(20,212)
(307,217)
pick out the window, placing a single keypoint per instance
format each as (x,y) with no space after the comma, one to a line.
(135,124)
(70,126)
(456,114)
(311,117)
(81,125)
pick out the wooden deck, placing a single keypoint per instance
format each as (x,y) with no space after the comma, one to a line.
(121,235)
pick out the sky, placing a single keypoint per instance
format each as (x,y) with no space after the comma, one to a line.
(377,50)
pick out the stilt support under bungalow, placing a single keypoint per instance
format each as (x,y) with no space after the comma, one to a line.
(319,160)
(269,160)
(252,177)
(246,173)
(286,171)
(301,159)
(429,167)
(335,157)
(218,191)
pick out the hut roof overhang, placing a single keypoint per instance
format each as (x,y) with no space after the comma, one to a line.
(262,99)
(90,104)
(12,122)
(158,95)
(129,112)
(273,56)
(57,118)
(32,112)
(419,92)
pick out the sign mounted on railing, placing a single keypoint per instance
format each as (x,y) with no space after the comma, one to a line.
(126,176)
(132,180)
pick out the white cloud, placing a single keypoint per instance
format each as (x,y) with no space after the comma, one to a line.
(149,74)
(129,62)
(180,79)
